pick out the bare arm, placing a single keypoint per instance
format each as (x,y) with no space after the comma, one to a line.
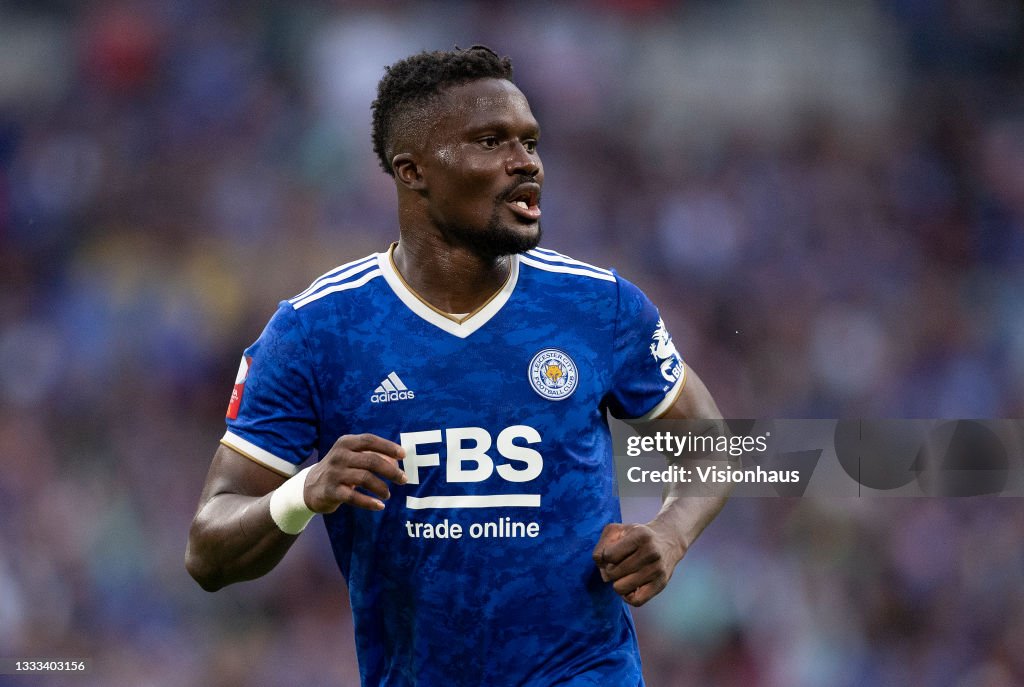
(639,559)
(233,536)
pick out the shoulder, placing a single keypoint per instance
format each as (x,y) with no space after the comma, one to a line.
(565,268)
(347,278)
(576,278)
(602,292)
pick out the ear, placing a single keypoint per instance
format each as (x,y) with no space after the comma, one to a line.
(407,172)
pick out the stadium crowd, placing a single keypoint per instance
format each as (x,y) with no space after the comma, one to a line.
(825,199)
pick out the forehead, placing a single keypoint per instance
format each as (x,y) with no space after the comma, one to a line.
(485,102)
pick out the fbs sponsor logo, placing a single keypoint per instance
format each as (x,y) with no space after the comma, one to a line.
(391,389)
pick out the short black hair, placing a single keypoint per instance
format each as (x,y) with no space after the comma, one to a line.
(418,79)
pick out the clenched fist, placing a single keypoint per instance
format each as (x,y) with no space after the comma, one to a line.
(637,559)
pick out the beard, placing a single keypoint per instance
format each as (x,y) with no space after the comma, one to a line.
(495,241)
(498,238)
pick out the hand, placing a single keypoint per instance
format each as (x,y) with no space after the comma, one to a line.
(361,461)
(637,559)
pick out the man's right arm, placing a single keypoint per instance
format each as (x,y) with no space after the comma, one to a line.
(233,536)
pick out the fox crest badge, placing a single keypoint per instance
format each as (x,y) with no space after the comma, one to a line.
(553,374)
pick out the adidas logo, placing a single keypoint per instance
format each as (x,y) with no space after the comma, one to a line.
(391,389)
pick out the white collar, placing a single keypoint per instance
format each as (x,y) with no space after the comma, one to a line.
(460,327)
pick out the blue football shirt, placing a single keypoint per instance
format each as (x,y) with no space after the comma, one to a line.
(479,570)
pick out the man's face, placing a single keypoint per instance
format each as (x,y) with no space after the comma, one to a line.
(482,169)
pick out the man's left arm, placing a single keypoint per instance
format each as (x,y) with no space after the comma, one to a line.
(639,558)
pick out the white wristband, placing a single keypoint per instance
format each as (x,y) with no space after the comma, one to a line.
(288,505)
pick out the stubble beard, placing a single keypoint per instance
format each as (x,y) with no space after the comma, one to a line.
(496,240)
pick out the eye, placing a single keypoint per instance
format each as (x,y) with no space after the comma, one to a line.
(489,142)
(531,145)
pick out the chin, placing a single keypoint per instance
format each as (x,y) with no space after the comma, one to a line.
(500,240)
(497,239)
(523,238)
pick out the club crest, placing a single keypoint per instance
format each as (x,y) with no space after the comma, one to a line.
(553,374)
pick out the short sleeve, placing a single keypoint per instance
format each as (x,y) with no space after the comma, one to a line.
(648,371)
(273,413)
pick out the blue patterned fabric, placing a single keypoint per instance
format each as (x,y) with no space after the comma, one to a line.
(503,420)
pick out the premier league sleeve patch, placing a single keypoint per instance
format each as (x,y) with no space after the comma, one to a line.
(553,374)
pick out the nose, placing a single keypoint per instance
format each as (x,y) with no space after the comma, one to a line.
(522,161)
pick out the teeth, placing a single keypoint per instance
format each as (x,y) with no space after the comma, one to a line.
(522,204)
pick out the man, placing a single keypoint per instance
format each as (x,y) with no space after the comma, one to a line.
(455,388)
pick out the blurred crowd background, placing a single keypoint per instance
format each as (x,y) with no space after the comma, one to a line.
(826,198)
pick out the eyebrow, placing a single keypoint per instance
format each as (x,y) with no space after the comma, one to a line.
(501,125)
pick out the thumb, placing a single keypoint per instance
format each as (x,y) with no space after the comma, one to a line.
(611,533)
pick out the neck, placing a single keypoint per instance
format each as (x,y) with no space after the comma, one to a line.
(449,277)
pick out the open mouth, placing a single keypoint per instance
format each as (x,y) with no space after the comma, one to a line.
(525,201)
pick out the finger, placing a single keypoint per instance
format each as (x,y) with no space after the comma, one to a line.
(648,575)
(642,595)
(381,465)
(611,532)
(347,494)
(387,467)
(371,442)
(623,547)
(366,481)
(642,557)
(640,587)
(329,489)
(599,559)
